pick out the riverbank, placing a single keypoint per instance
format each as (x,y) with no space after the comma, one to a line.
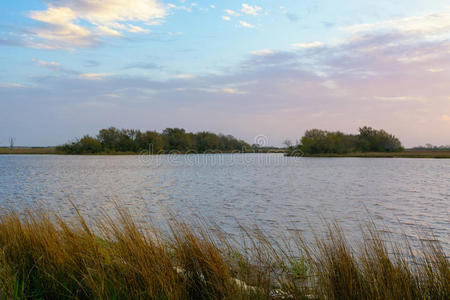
(43,256)
(28,150)
(403,154)
(53,150)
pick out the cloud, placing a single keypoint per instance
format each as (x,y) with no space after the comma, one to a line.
(181,7)
(91,63)
(263,52)
(231,12)
(232,91)
(435,70)
(11,85)
(400,98)
(82,23)
(429,24)
(46,63)
(307,45)
(144,65)
(223,90)
(54,66)
(360,80)
(226,18)
(445,118)
(94,76)
(292,17)
(245,24)
(60,28)
(250,10)
(108,31)
(184,76)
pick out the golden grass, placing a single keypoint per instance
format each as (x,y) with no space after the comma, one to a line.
(403,154)
(28,150)
(43,256)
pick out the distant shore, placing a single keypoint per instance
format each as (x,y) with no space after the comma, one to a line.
(28,150)
(403,154)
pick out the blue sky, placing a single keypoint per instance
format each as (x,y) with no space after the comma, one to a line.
(246,68)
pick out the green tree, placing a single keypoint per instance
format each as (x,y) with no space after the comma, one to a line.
(176,139)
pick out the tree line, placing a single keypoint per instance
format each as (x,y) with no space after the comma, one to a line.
(112,140)
(316,141)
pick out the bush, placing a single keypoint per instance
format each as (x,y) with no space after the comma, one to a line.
(316,141)
(171,139)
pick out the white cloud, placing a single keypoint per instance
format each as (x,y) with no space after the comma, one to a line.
(181,7)
(11,85)
(94,76)
(429,24)
(263,52)
(137,29)
(61,27)
(46,63)
(226,90)
(435,70)
(117,10)
(184,76)
(212,6)
(307,45)
(226,18)
(245,24)
(108,31)
(232,91)
(231,12)
(68,23)
(250,10)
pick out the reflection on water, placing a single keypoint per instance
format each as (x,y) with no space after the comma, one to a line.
(267,190)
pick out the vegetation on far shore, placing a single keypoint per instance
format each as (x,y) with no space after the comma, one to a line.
(43,256)
(316,141)
(113,140)
(28,150)
(408,153)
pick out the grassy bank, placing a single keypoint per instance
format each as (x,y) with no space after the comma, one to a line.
(53,150)
(403,154)
(28,150)
(43,256)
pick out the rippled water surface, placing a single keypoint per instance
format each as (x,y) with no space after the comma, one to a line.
(268,190)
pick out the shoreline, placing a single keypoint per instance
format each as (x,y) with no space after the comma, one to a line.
(445,154)
(436,154)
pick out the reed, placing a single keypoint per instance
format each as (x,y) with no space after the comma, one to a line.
(43,256)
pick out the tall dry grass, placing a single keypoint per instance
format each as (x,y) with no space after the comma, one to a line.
(43,256)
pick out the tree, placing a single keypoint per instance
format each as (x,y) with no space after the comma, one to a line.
(176,139)
(378,140)
(149,140)
(89,144)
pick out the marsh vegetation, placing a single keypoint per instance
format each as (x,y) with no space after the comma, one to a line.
(43,256)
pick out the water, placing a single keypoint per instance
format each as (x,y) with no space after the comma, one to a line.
(268,190)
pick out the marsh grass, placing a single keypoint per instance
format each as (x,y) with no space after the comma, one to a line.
(43,256)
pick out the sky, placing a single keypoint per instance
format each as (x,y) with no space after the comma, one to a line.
(246,68)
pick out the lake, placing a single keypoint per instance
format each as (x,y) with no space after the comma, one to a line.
(270,191)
